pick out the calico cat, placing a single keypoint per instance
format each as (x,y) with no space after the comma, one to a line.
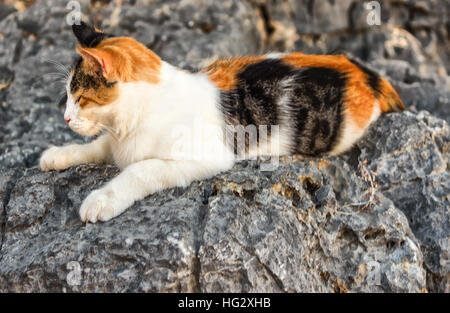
(151,116)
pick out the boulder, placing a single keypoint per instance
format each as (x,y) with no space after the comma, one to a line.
(375,219)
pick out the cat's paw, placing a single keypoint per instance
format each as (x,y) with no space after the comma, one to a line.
(56,158)
(100,206)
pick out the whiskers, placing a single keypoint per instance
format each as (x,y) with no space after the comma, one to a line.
(61,67)
(60,76)
(110,130)
(62,73)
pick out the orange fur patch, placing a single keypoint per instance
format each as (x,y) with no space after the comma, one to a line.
(358,98)
(390,101)
(98,97)
(223,72)
(126,60)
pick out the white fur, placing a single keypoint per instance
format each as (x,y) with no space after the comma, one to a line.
(71,107)
(287,127)
(352,132)
(376,112)
(153,121)
(178,110)
(274,55)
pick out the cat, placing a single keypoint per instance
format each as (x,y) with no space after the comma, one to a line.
(148,116)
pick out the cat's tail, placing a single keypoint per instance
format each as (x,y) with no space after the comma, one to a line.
(390,100)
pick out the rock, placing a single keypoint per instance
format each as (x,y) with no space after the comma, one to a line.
(7,180)
(5,10)
(407,30)
(143,254)
(375,219)
(281,238)
(305,227)
(414,174)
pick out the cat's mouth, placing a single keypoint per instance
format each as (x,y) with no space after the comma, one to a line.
(85,127)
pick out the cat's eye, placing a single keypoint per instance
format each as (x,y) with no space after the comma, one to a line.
(78,100)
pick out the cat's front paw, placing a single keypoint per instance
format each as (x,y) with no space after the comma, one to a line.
(55,158)
(100,206)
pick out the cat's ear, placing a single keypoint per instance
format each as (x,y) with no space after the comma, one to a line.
(96,59)
(87,35)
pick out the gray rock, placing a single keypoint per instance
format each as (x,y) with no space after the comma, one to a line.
(335,224)
(299,232)
(148,251)
(305,227)
(5,10)
(414,174)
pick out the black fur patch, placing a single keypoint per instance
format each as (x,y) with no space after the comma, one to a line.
(317,103)
(86,81)
(254,100)
(313,98)
(373,79)
(87,35)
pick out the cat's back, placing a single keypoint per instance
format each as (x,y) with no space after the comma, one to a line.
(322,103)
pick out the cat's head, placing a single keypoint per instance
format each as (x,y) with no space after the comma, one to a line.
(94,84)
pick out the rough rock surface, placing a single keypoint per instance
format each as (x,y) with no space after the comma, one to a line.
(332,224)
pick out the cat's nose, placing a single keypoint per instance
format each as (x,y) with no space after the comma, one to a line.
(67,119)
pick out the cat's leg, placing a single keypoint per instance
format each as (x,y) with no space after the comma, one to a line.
(60,158)
(142,179)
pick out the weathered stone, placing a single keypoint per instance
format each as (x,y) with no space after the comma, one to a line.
(414,174)
(332,224)
(310,225)
(274,235)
